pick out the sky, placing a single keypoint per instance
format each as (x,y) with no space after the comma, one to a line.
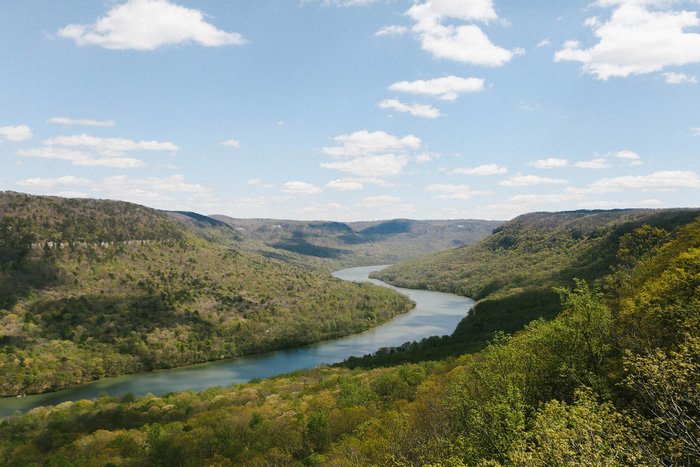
(353,110)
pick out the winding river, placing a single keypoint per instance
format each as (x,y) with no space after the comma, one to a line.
(435,314)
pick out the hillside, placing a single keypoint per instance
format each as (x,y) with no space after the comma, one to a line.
(91,289)
(334,245)
(612,381)
(511,272)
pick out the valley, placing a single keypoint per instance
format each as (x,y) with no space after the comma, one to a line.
(582,346)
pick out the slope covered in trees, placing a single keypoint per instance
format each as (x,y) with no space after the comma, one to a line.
(613,380)
(335,245)
(90,289)
(511,272)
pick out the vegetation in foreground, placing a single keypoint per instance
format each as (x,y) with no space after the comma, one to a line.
(92,289)
(613,380)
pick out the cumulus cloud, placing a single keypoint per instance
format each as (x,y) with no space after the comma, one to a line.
(363,142)
(82,158)
(110,144)
(345,184)
(148,191)
(599,163)
(464,43)
(526,180)
(550,163)
(232,142)
(384,165)
(16,133)
(679,78)
(640,37)
(486,169)
(148,25)
(658,181)
(389,204)
(446,88)
(392,30)
(83,122)
(417,110)
(357,183)
(50,183)
(300,188)
(448,191)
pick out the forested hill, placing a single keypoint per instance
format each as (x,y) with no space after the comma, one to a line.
(91,289)
(334,245)
(612,381)
(511,272)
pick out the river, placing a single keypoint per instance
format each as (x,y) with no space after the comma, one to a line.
(435,314)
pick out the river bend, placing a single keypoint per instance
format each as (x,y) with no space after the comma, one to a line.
(435,314)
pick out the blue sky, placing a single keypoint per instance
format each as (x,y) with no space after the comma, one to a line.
(353,109)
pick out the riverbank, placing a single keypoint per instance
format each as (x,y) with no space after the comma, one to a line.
(435,314)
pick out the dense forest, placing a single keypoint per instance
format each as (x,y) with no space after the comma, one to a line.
(91,289)
(614,379)
(336,245)
(512,273)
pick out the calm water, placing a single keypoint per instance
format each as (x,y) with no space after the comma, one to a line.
(435,314)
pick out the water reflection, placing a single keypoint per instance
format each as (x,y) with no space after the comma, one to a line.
(435,314)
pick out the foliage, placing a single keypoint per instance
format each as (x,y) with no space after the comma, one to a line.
(92,289)
(511,273)
(588,387)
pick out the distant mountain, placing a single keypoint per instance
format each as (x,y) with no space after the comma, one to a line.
(512,271)
(95,288)
(335,244)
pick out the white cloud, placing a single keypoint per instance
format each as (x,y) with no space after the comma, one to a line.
(148,25)
(446,88)
(356,183)
(418,110)
(486,169)
(344,184)
(454,191)
(81,158)
(392,30)
(342,3)
(385,165)
(300,188)
(50,183)
(392,205)
(153,191)
(473,10)
(465,43)
(544,43)
(679,78)
(657,181)
(550,163)
(527,180)
(599,163)
(16,133)
(110,144)
(696,131)
(363,142)
(630,155)
(84,122)
(232,142)
(427,157)
(637,40)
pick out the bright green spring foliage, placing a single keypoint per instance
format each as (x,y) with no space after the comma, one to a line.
(614,380)
(91,289)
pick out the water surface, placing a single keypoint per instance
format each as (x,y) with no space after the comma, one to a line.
(435,314)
